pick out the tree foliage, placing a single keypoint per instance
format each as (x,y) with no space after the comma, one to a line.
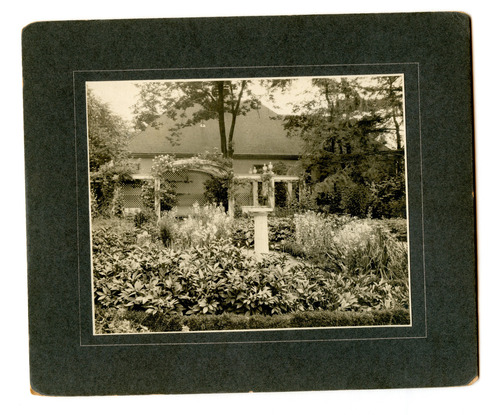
(189,103)
(108,134)
(109,164)
(344,128)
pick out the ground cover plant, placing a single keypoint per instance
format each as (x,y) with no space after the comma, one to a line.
(184,271)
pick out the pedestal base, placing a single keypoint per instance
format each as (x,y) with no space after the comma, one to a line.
(261,236)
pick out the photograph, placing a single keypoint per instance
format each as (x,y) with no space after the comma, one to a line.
(273,212)
(225,204)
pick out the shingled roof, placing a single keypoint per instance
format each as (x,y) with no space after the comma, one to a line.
(259,132)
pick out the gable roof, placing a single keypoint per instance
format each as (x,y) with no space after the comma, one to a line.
(259,132)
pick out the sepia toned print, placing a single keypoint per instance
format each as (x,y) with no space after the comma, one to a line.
(248,204)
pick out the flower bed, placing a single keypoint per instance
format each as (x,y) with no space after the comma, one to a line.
(341,265)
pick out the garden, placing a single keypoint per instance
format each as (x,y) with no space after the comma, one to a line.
(200,272)
(336,251)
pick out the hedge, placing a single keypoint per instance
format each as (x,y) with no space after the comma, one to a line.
(144,322)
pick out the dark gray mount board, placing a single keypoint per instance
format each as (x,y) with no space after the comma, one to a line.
(432,50)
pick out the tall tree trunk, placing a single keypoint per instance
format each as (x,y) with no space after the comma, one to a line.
(236,108)
(220,112)
(398,140)
(398,134)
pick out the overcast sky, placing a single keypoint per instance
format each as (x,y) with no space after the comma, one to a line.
(122,95)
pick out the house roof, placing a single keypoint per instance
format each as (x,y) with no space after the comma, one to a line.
(259,132)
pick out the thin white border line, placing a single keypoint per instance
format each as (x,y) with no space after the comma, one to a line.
(245,67)
(260,67)
(249,342)
(77,215)
(271,329)
(408,247)
(422,198)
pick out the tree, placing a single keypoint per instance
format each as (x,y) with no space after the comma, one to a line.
(336,125)
(109,164)
(108,134)
(342,128)
(189,103)
(389,94)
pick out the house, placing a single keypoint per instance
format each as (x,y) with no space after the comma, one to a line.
(259,138)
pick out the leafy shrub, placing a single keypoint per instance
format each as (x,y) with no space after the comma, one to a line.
(389,198)
(363,248)
(144,217)
(314,231)
(206,224)
(113,234)
(280,230)
(106,185)
(167,227)
(216,191)
(355,200)
(351,265)
(398,227)
(219,277)
(119,321)
(243,232)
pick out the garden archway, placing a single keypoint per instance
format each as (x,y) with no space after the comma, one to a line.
(195,170)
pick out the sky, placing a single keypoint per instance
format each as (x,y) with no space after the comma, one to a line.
(122,95)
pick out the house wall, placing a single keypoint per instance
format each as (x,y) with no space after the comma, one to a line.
(145,164)
(191,191)
(190,188)
(240,166)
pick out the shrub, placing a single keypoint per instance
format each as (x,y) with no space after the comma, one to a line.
(144,217)
(106,186)
(114,321)
(355,200)
(119,321)
(205,224)
(389,198)
(364,248)
(216,191)
(280,231)
(398,227)
(167,227)
(243,232)
(219,278)
(313,231)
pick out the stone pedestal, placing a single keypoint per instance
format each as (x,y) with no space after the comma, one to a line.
(261,236)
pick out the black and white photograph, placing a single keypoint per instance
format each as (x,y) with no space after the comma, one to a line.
(262,209)
(248,204)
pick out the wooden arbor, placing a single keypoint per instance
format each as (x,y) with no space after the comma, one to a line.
(263,185)
(211,167)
